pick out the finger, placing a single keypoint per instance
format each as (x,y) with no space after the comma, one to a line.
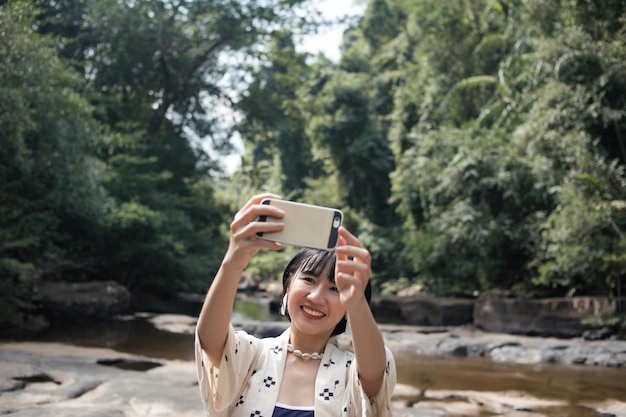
(339,253)
(354,252)
(252,229)
(353,267)
(259,210)
(347,282)
(268,244)
(245,227)
(249,239)
(254,211)
(256,199)
(349,238)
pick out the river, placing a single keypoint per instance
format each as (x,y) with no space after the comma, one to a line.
(571,383)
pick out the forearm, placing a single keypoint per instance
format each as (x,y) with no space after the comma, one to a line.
(218,306)
(369,348)
(216,311)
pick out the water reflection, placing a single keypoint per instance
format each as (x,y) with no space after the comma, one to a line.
(136,335)
(571,383)
(254,309)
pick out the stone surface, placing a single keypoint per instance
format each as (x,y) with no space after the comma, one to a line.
(63,380)
(67,302)
(174,323)
(166,302)
(423,310)
(558,317)
(467,341)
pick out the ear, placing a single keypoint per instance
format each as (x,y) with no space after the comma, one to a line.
(283,305)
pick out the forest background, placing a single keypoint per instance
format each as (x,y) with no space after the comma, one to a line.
(475,146)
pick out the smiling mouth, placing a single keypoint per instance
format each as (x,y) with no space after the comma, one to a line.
(313,313)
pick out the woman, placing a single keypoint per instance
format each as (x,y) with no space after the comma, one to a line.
(301,373)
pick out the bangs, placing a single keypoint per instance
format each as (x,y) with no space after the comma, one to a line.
(320,264)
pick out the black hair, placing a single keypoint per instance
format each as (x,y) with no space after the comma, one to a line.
(319,263)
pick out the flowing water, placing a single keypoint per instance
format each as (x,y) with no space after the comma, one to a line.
(570,383)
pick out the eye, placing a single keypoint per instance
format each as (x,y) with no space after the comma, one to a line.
(308,279)
(334,289)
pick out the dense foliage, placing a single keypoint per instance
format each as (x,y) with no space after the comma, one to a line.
(474,146)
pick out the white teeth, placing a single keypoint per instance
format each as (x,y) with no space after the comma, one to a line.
(312,312)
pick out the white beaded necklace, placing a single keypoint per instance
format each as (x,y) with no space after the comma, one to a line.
(305,356)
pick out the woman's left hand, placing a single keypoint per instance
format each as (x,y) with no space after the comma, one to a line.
(353,269)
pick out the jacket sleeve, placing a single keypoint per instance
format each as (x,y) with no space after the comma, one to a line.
(220,384)
(356,401)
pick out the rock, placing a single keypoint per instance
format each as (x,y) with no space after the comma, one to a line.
(419,410)
(608,408)
(174,323)
(64,380)
(406,393)
(471,342)
(262,329)
(423,310)
(247,283)
(597,334)
(31,324)
(67,302)
(465,402)
(516,353)
(159,301)
(557,317)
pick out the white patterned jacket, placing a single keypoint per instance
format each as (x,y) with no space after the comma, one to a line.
(247,382)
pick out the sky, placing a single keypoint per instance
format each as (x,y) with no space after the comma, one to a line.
(326,41)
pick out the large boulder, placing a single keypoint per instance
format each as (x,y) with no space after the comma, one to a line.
(166,302)
(559,317)
(68,302)
(422,310)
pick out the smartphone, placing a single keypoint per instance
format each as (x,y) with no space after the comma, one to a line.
(306,225)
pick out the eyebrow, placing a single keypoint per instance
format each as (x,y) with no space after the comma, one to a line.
(313,273)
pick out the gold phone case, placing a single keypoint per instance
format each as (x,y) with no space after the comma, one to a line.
(306,225)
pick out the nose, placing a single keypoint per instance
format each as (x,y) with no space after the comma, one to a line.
(316,294)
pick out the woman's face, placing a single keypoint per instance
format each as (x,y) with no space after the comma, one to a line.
(313,304)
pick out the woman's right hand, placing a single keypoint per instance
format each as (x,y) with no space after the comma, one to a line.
(244,243)
(217,308)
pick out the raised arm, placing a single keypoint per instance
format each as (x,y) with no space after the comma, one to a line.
(352,273)
(217,308)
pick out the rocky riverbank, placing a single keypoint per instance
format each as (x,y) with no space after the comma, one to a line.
(67,302)
(467,341)
(51,379)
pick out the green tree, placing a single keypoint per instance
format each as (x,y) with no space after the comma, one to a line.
(155,72)
(533,91)
(479,122)
(51,198)
(278,151)
(344,134)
